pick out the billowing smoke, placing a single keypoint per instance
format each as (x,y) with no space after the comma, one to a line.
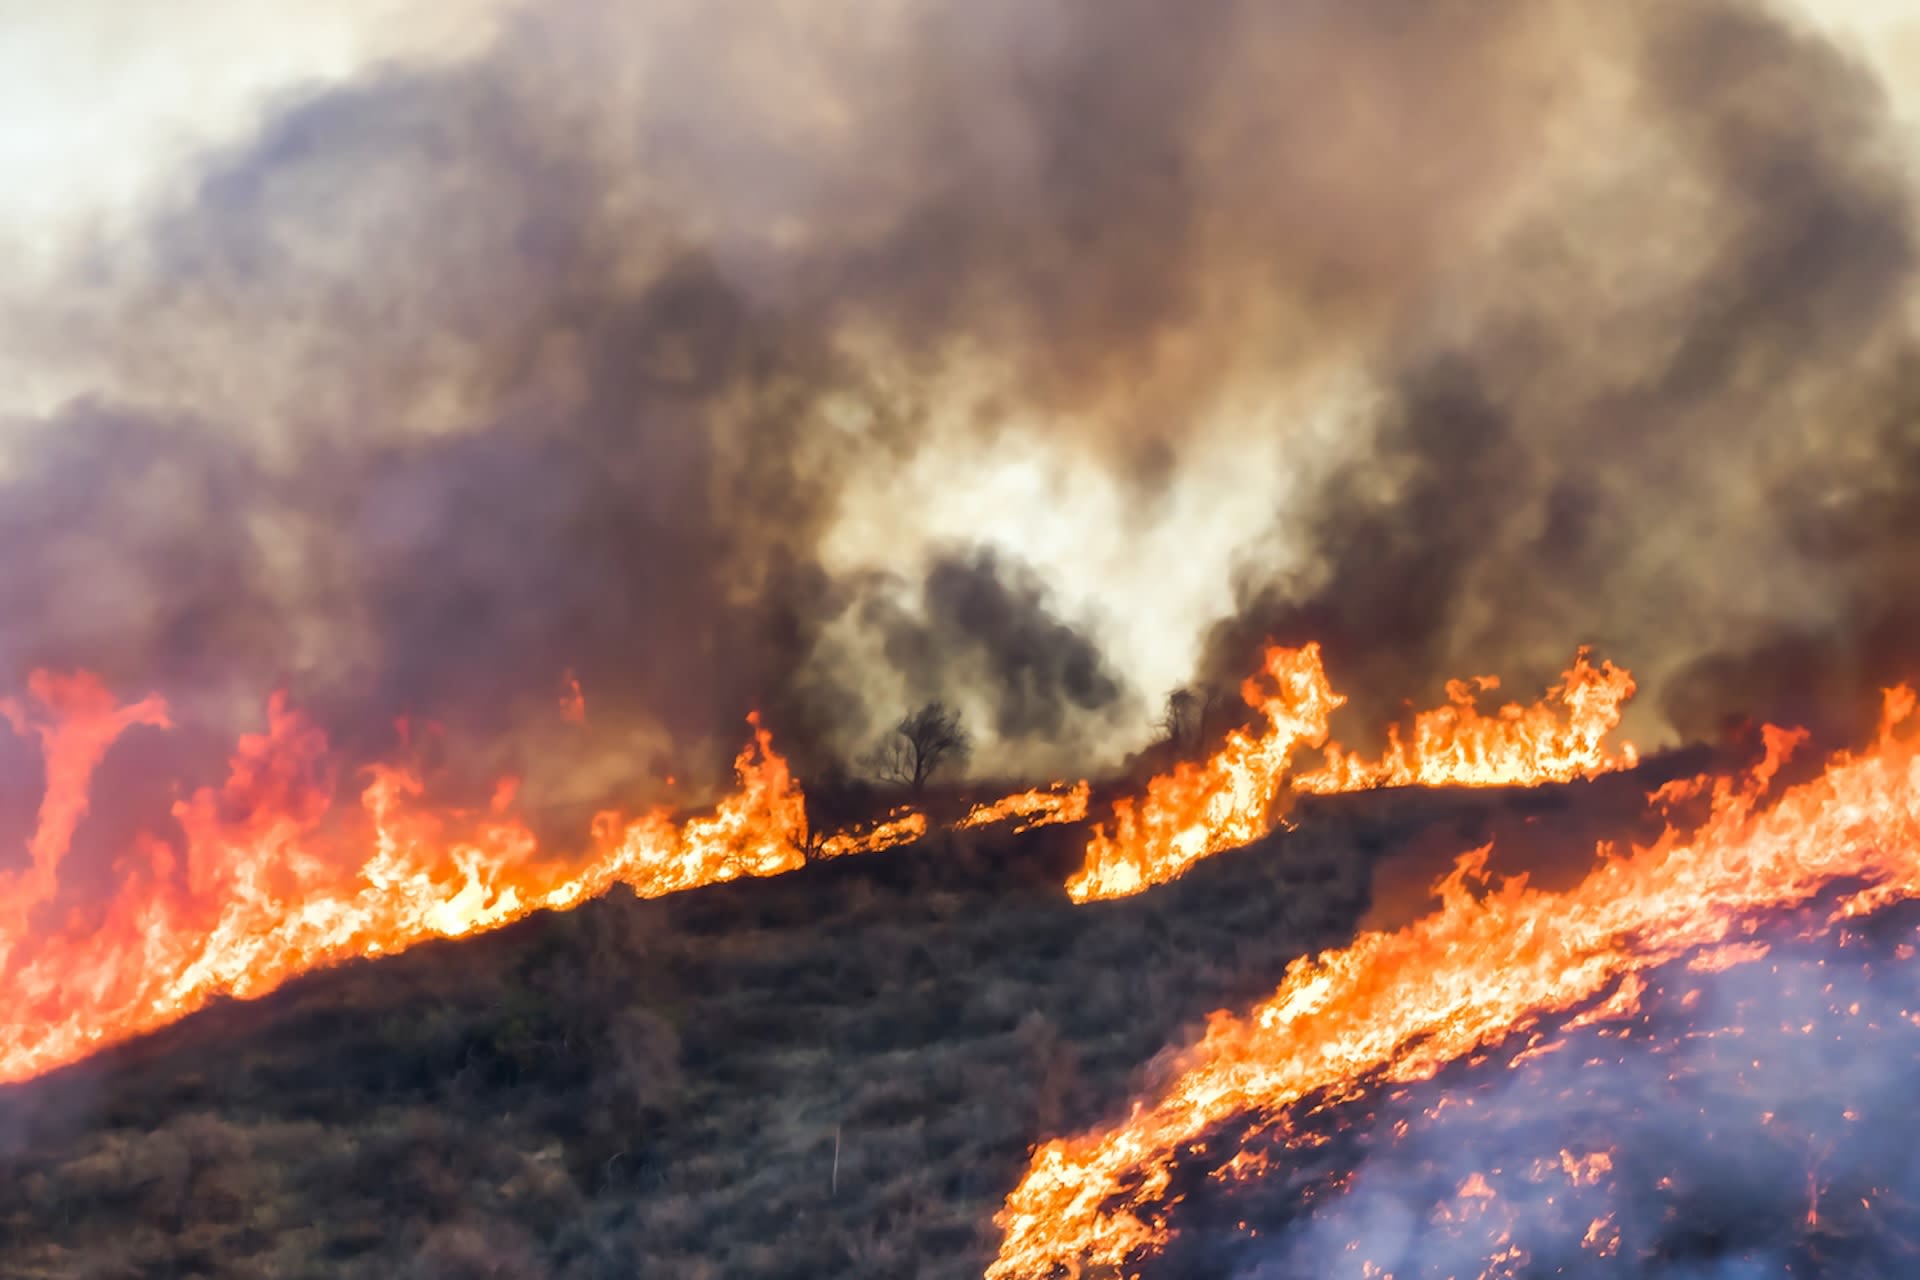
(1540,325)
(1670,413)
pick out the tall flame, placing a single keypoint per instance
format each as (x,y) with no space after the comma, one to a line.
(1398,1006)
(1457,746)
(271,879)
(1201,809)
(1235,797)
(76,720)
(274,883)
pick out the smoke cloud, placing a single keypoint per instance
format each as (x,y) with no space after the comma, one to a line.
(576,354)
(1671,417)
(993,626)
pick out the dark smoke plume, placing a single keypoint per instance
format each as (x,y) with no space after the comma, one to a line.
(993,625)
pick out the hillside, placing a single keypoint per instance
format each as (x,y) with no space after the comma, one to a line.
(833,1073)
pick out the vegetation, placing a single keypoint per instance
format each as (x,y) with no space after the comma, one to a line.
(921,746)
(838,1072)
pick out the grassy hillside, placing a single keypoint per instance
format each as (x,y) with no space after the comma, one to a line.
(833,1073)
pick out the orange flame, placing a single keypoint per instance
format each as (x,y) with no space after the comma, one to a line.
(1457,746)
(1039,807)
(1396,1007)
(1202,809)
(900,828)
(274,883)
(77,721)
(1229,801)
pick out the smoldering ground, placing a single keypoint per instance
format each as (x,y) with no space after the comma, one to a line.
(571,357)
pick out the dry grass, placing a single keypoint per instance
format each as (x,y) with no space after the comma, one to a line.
(654,1088)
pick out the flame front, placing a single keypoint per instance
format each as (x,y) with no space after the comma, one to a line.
(1457,746)
(1395,1007)
(898,829)
(1201,809)
(1039,807)
(273,884)
(1235,797)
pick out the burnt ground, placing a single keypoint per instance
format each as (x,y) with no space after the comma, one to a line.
(838,1072)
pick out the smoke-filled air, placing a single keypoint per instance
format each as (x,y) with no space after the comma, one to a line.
(1049,638)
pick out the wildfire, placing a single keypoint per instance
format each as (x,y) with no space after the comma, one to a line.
(77,721)
(1458,746)
(1396,1007)
(271,881)
(1039,807)
(898,829)
(1200,809)
(1236,797)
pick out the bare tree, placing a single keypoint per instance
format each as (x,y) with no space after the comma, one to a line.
(1190,715)
(1178,722)
(922,744)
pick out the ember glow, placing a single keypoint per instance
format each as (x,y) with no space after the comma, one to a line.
(1399,1007)
(1038,807)
(1559,738)
(573,702)
(276,878)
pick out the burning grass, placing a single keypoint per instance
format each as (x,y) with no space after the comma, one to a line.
(643,1087)
(1741,1112)
(1397,1007)
(274,878)
(271,878)
(640,1089)
(653,1087)
(1242,791)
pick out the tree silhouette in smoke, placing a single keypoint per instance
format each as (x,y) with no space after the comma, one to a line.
(923,743)
(1192,714)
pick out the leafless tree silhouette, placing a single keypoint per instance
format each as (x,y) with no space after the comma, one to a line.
(922,744)
(1191,715)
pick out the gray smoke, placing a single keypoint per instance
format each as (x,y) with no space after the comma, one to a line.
(993,625)
(445,382)
(1673,418)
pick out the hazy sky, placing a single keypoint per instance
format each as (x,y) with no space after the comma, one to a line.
(106,101)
